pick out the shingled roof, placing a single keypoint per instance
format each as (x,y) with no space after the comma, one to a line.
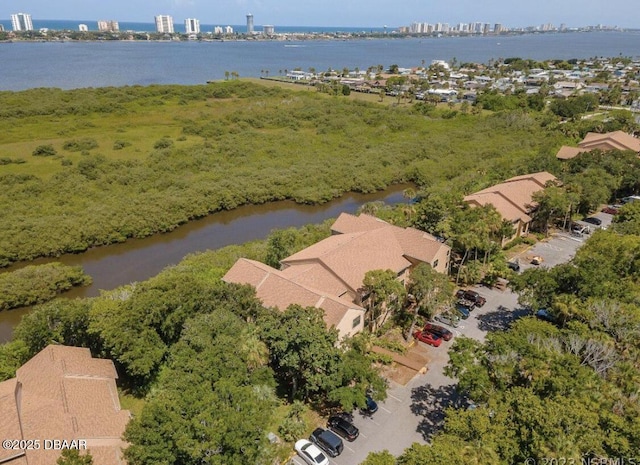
(362,243)
(616,140)
(63,393)
(275,289)
(513,198)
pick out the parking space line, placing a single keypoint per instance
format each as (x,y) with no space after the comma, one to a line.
(350,449)
(363,435)
(394,397)
(386,410)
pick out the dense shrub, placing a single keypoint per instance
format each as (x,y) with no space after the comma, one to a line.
(36,284)
(44,151)
(78,145)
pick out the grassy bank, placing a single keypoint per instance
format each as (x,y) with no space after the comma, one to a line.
(135,161)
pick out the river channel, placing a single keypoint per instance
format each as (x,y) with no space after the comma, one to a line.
(139,259)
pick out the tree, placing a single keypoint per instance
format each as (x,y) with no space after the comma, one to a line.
(73,457)
(279,245)
(554,203)
(379,458)
(384,295)
(303,351)
(431,290)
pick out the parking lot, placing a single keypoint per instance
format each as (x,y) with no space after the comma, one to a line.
(415,412)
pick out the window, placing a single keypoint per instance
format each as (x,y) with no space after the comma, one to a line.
(435,264)
(356,321)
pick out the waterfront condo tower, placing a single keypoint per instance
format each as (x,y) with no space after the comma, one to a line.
(164,23)
(192,26)
(108,26)
(21,22)
(249,23)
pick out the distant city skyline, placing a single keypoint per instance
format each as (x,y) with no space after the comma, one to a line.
(370,13)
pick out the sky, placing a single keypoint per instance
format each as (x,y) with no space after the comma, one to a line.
(366,13)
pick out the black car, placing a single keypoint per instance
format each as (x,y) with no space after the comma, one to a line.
(514,265)
(593,220)
(327,441)
(344,428)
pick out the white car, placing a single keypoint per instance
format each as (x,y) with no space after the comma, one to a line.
(310,453)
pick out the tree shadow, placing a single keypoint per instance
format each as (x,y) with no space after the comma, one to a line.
(431,403)
(500,319)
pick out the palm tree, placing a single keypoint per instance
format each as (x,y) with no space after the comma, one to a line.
(255,350)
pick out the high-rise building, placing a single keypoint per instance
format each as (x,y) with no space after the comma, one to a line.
(497,28)
(83,28)
(268,30)
(164,23)
(108,26)
(192,26)
(21,22)
(1,28)
(228,30)
(249,23)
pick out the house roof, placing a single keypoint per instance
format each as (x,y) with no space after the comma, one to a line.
(347,258)
(619,140)
(566,152)
(64,393)
(275,289)
(362,243)
(513,197)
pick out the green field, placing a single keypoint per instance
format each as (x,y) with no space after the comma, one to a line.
(135,161)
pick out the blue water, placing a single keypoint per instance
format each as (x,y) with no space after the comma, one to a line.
(115,63)
(69,25)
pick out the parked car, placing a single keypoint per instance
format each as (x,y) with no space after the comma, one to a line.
(338,424)
(514,265)
(468,304)
(537,260)
(580,229)
(310,453)
(462,311)
(371,406)
(448,319)
(611,210)
(473,296)
(428,338)
(543,314)
(328,441)
(593,220)
(438,331)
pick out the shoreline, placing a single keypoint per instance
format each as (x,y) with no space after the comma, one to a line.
(65,36)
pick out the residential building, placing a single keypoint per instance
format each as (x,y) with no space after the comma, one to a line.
(217,30)
(21,22)
(228,30)
(617,140)
(108,26)
(164,24)
(192,26)
(276,290)
(513,199)
(83,28)
(268,30)
(63,393)
(249,23)
(1,28)
(330,273)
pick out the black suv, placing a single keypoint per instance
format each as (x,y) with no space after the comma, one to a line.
(344,428)
(327,441)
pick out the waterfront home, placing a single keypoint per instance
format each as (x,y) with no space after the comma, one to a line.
(330,274)
(513,199)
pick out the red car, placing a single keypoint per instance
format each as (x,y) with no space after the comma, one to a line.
(610,210)
(438,331)
(428,338)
